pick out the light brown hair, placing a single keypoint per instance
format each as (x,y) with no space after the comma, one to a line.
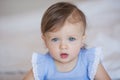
(58,13)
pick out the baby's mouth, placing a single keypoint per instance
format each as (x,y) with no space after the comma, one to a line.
(63,55)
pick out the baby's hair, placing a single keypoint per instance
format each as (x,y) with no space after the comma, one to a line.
(58,13)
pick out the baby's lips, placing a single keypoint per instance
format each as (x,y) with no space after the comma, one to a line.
(63,55)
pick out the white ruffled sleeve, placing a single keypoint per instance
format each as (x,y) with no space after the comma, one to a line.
(38,64)
(93,60)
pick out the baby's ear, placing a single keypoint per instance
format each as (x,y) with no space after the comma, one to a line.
(83,38)
(83,41)
(44,39)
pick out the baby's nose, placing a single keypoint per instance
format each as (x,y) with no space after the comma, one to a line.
(63,45)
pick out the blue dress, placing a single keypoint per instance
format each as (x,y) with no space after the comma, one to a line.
(44,67)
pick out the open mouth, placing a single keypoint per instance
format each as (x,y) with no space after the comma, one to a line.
(63,55)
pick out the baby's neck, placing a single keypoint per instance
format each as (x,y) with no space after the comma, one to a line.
(66,67)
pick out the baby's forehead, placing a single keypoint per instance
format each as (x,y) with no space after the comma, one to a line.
(68,28)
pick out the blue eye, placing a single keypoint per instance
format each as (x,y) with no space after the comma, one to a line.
(54,39)
(72,39)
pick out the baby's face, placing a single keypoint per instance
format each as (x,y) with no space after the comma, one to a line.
(64,44)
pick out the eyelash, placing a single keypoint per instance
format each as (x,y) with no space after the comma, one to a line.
(70,39)
(54,39)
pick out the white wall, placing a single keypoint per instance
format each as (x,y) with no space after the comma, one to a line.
(20,31)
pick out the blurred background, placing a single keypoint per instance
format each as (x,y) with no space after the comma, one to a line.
(20,33)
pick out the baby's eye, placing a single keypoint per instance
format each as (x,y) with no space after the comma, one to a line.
(54,39)
(72,39)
